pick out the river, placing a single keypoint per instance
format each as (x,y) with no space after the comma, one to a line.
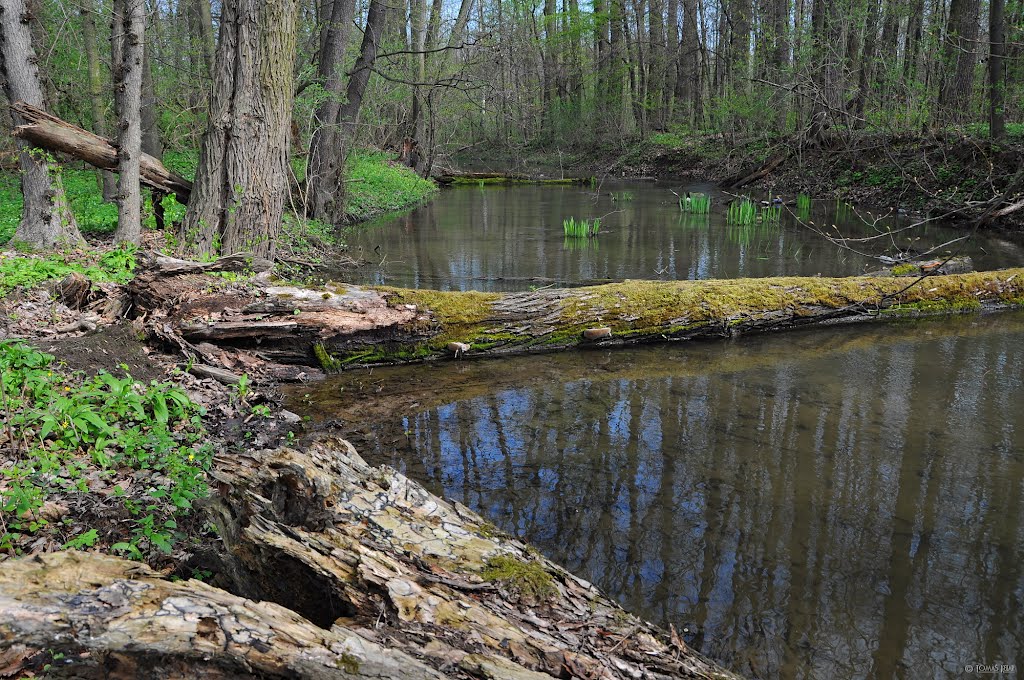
(836,503)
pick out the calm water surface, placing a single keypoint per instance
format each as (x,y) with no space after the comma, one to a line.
(509,238)
(839,503)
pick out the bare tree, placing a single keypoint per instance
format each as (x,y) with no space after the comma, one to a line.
(130,20)
(46,219)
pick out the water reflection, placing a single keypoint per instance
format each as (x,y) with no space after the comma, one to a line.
(509,238)
(840,503)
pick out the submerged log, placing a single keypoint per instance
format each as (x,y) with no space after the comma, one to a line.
(49,132)
(321,532)
(341,325)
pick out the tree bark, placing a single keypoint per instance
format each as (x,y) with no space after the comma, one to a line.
(112,618)
(107,180)
(42,130)
(323,533)
(238,198)
(209,45)
(325,153)
(46,219)
(996,69)
(130,16)
(341,326)
(958,61)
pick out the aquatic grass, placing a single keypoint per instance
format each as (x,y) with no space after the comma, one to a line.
(582,228)
(622,196)
(698,204)
(771,214)
(742,212)
(803,207)
(843,210)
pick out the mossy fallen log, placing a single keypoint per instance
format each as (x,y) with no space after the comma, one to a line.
(341,325)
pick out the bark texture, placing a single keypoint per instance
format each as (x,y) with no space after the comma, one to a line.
(131,17)
(108,182)
(112,618)
(46,219)
(42,130)
(239,192)
(325,534)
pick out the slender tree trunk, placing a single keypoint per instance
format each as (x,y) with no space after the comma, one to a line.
(671,60)
(958,61)
(688,82)
(46,219)
(150,129)
(130,17)
(418,26)
(912,44)
(325,160)
(238,198)
(206,32)
(107,180)
(996,66)
(867,62)
(656,59)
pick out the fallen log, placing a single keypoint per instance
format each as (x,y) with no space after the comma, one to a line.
(49,132)
(341,325)
(90,616)
(448,179)
(343,543)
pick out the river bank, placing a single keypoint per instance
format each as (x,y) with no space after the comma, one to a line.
(953,175)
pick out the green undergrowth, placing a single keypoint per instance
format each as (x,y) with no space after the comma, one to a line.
(26,271)
(376,185)
(130,457)
(94,217)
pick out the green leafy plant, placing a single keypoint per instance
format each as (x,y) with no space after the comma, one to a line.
(803,207)
(70,431)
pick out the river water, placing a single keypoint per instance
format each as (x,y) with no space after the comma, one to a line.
(831,503)
(509,238)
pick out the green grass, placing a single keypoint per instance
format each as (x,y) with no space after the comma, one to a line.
(771,214)
(582,228)
(139,448)
(94,217)
(377,185)
(116,265)
(623,196)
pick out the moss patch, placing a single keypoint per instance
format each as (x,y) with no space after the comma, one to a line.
(529,579)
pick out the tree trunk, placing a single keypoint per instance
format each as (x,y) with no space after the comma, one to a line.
(205,19)
(130,17)
(325,159)
(238,198)
(958,62)
(44,131)
(996,67)
(351,325)
(107,180)
(867,62)
(656,59)
(688,82)
(150,129)
(46,219)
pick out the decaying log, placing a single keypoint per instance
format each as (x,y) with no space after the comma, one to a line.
(49,132)
(340,325)
(752,176)
(111,618)
(321,532)
(504,178)
(158,264)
